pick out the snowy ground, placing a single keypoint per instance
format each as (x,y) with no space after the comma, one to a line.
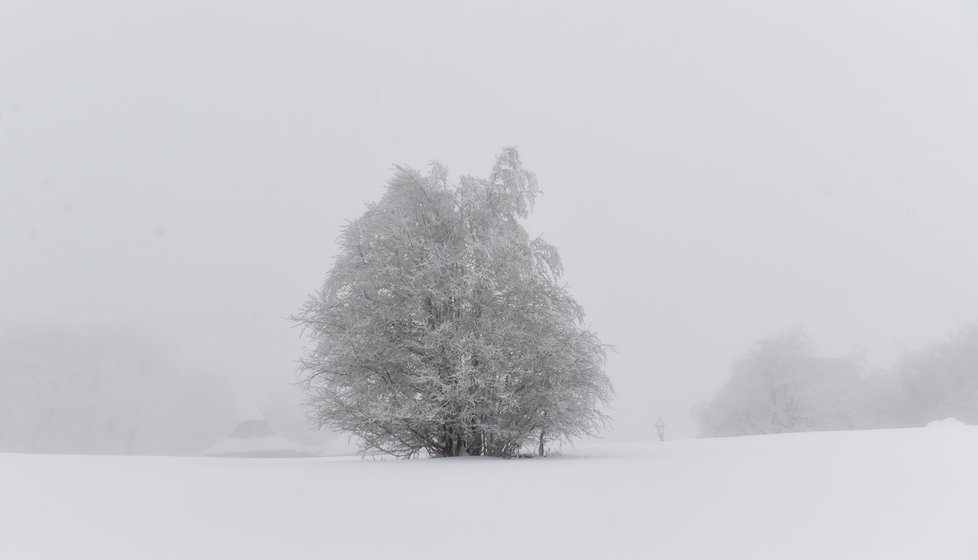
(883,494)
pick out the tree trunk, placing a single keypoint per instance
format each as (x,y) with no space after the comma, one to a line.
(476,446)
(543,436)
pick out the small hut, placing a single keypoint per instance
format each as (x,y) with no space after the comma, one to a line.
(256,438)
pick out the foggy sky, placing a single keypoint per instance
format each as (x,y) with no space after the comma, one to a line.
(713,172)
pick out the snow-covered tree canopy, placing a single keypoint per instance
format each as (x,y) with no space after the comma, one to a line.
(780,385)
(937,382)
(442,326)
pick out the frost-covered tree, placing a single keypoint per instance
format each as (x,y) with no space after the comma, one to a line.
(781,386)
(443,326)
(937,382)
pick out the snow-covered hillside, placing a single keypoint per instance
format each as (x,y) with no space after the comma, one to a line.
(890,494)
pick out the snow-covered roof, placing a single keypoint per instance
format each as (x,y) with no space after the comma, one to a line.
(256,438)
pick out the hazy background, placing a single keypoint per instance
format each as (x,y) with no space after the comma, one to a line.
(713,172)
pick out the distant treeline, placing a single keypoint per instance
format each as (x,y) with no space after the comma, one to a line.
(102,390)
(780,385)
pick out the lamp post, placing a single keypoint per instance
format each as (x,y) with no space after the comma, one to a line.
(660,427)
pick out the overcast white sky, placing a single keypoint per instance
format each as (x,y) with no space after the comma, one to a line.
(713,171)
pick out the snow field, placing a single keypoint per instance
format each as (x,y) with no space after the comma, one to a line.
(888,494)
